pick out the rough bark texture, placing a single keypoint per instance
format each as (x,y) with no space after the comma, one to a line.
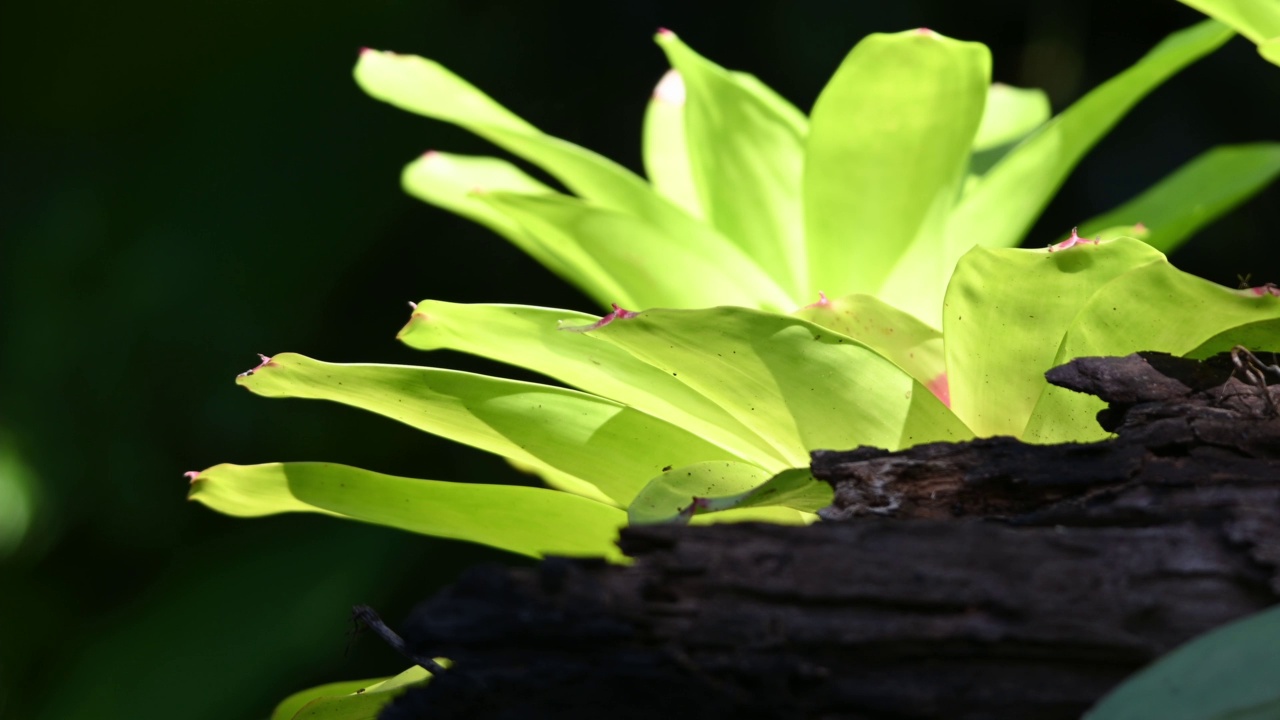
(988,579)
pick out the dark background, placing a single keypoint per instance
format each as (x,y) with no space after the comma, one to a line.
(188,184)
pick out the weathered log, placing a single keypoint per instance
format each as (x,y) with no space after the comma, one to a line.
(988,579)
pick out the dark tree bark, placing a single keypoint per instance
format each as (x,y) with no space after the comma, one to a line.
(987,579)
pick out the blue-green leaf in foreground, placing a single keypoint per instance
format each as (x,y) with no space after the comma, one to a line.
(350,700)
(524,520)
(529,337)
(1258,20)
(1133,313)
(746,156)
(728,491)
(607,447)
(797,385)
(1006,313)
(1231,673)
(1195,194)
(888,147)
(1007,199)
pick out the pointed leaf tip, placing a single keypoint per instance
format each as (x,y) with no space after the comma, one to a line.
(413,305)
(192,475)
(664,32)
(617,314)
(265,362)
(823,301)
(1073,241)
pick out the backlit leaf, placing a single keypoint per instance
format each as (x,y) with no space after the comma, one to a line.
(524,520)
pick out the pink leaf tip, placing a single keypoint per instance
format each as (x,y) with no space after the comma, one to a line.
(431,155)
(617,314)
(413,305)
(192,475)
(925,31)
(1072,241)
(265,362)
(664,32)
(698,503)
(670,89)
(823,302)
(1139,227)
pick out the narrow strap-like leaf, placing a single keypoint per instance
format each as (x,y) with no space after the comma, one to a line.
(799,386)
(457,182)
(1258,20)
(665,146)
(652,267)
(424,87)
(524,520)
(1001,207)
(610,447)
(530,338)
(747,159)
(1196,194)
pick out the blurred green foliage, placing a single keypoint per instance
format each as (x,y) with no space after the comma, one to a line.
(185,185)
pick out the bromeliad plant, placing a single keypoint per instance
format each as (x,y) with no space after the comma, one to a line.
(901,196)
(909,159)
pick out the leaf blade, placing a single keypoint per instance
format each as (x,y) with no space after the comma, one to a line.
(605,445)
(1129,314)
(746,156)
(530,337)
(798,386)
(1196,194)
(1006,313)
(523,520)
(888,145)
(1008,198)
(1225,674)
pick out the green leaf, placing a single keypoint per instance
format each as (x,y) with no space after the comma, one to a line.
(799,386)
(455,182)
(725,490)
(1131,313)
(604,444)
(897,336)
(424,87)
(888,147)
(653,268)
(1264,335)
(1226,674)
(1010,114)
(747,159)
(1258,20)
(529,337)
(1006,313)
(1004,202)
(1195,194)
(665,146)
(796,488)
(350,700)
(524,520)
